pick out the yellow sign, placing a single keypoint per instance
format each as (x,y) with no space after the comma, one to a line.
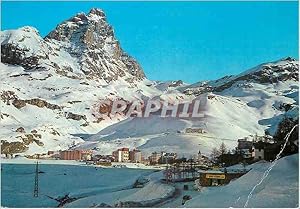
(215,176)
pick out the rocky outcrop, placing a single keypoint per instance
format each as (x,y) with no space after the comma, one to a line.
(19,103)
(73,116)
(20,130)
(13,54)
(54,132)
(176,83)
(23,47)
(21,146)
(12,147)
(30,138)
(280,71)
(7,96)
(42,103)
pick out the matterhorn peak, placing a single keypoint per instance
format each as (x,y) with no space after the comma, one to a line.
(94,15)
(88,29)
(96,11)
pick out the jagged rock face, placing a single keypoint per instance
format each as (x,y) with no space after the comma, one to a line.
(88,43)
(91,31)
(176,83)
(91,39)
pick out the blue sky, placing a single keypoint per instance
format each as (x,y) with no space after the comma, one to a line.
(191,41)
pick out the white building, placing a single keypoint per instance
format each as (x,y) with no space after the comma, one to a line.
(121,155)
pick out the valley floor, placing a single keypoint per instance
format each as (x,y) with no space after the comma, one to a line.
(97,187)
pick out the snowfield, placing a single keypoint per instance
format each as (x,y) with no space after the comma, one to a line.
(59,180)
(112,186)
(89,185)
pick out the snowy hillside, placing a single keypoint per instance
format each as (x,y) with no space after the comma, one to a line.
(52,87)
(280,189)
(245,105)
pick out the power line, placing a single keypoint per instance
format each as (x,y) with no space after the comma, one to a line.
(36,181)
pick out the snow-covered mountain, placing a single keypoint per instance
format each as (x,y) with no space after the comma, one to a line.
(51,88)
(82,47)
(250,104)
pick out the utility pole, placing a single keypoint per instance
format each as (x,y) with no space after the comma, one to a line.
(36,181)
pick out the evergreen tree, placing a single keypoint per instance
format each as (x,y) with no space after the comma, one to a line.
(284,128)
(222,149)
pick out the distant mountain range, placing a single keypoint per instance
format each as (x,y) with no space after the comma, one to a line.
(51,88)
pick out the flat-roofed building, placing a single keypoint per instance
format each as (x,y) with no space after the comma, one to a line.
(70,155)
(135,156)
(121,155)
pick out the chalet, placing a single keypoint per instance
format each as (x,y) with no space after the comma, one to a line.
(50,152)
(266,151)
(53,154)
(245,148)
(259,152)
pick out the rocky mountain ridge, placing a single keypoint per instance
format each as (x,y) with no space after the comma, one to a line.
(267,73)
